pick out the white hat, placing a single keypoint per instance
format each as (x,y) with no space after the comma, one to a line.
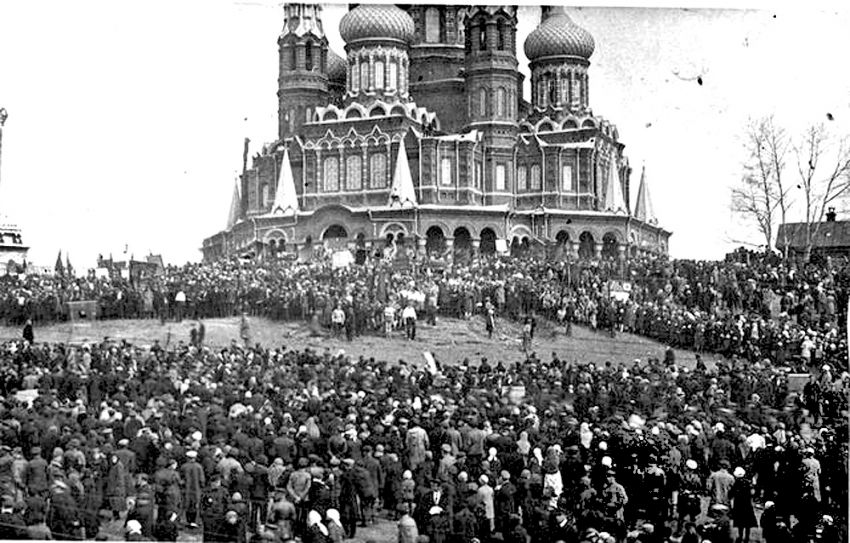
(606,461)
(197,435)
(691,464)
(739,472)
(192,454)
(603,446)
(134,527)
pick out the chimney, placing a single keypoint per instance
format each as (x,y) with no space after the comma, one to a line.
(830,215)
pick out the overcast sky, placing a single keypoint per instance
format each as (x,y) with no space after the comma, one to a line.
(126,119)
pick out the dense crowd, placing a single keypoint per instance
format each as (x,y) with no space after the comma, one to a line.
(761,307)
(265,444)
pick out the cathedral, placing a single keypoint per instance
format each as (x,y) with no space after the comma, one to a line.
(420,137)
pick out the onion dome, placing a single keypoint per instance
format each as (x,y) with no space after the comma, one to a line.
(559,36)
(337,70)
(376,22)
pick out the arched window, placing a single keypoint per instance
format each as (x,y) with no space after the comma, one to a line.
(353,173)
(293,57)
(309,115)
(482,102)
(292,120)
(501,102)
(482,39)
(379,75)
(432,25)
(535,177)
(378,171)
(331,170)
(364,75)
(522,179)
(392,84)
(308,56)
(355,77)
(502,32)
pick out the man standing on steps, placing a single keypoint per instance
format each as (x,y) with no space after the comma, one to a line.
(409,318)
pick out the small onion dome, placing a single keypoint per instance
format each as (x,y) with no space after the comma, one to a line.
(559,36)
(337,70)
(377,22)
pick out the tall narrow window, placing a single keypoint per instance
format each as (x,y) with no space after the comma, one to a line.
(353,173)
(392,84)
(293,57)
(331,171)
(482,39)
(379,75)
(482,102)
(566,178)
(308,56)
(479,178)
(364,75)
(522,179)
(432,25)
(500,177)
(501,102)
(355,77)
(535,177)
(502,31)
(264,195)
(309,115)
(378,171)
(446,171)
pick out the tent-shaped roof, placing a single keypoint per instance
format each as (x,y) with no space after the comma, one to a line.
(235,207)
(285,198)
(614,200)
(402,192)
(643,207)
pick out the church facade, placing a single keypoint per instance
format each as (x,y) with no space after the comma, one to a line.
(421,137)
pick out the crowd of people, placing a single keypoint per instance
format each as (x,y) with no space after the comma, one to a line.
(761,307)
(269,444)
(263,443)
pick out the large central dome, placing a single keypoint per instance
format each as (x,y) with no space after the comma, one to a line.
(559,36)
(376,22)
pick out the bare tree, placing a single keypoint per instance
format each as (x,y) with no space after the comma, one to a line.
(823,163)
(761,191)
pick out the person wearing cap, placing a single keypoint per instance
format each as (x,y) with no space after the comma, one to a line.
(143,507)
(689,503)
(166,482)
(36,474)
(719,484)
(193,481)
(63,516)
(504,502)
(614,500)
(743,512)
(349,509)
(486,496)
(434,512)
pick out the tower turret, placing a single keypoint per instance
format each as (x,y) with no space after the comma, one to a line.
(303,81)
(377,38)
(492,92)
(559,53)
(437,61)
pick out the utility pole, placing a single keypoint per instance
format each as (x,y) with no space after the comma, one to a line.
(3,116)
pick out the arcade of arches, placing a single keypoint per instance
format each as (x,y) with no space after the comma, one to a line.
(461,246)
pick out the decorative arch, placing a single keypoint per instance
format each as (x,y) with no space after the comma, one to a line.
(610,244)
(587,245)
(377,111)
(330,115)
(588,123)
(435,240)
(393,228)
(353,113)
(545,126)
(334,231)
(520,231)
(398,110)
(488,241)
(570,124)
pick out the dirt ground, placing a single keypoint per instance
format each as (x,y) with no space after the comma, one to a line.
(451,340)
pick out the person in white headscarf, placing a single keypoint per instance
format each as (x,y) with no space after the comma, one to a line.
(334,525)
(316,531)
(585,435)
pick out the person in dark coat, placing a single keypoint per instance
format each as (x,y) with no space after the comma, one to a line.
(316,531)
(213,508)
(63,517)
(28,333)
(348,499)
(12,525)
(505,503)
(743,514)
(192,475)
